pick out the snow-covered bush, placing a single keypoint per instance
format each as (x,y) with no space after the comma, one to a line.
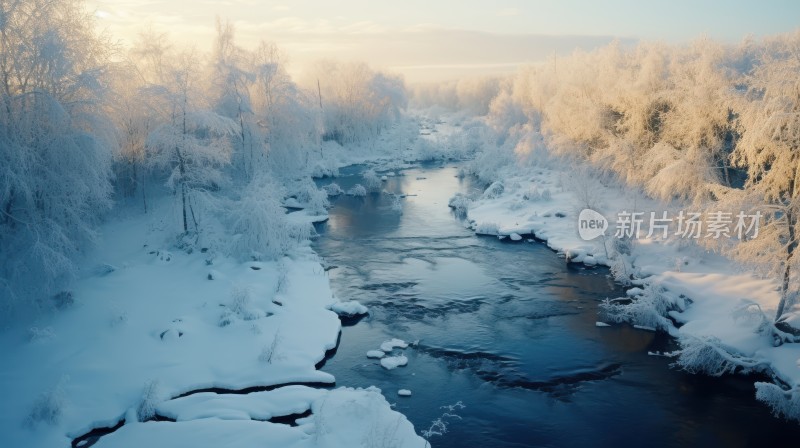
(426,150)
(242,306)
(536,194)
(494,191)
(649,309)
(49,407)
(324,168)
(258,222)
(241,303)
(357,190)
(621,269)
(371,181)
(333,189)
(283,277)
(784,403)
(708,355)
(151,397)
(270,352)
(459,203)
(315,199)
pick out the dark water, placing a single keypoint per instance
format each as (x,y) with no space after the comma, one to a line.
(509,330)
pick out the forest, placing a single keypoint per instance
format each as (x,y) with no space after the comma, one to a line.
(87,124)
(169,213)
(704,124)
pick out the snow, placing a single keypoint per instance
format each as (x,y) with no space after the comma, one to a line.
(375,354)
(393,343)
(306,217)
(342,417)
(349,308)
(157,327)
(293,203)
(704,292)
(392,362)
(253,406)
(404,393)
(515,236)
(601,324)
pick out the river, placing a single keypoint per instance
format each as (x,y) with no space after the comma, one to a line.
(508,330)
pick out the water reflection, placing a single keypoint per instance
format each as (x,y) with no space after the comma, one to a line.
(510,330)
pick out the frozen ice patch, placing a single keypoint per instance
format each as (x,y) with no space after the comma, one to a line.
(393,362)
(375,354)
(391,344)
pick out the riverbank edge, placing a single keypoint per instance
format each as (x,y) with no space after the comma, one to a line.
(710,305)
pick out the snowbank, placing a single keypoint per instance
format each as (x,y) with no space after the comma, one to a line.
(171,322)
(342,417)
(716,310)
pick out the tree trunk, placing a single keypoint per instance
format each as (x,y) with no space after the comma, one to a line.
(787,270)
(143,186)
(182,168)
(183,200)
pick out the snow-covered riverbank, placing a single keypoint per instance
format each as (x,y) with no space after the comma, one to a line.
(150,322)
(716,310)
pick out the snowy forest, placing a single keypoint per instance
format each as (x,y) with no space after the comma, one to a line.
(712,125)
(200,246)
(87,124)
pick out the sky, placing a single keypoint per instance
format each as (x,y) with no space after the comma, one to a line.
(434,40)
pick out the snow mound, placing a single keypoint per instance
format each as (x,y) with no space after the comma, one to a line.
(349,308)
(494,190)
(292,203)
(487,228)
(375,354)
(343,417)
(404,393)
(393,362)
(515,237)
(391,344)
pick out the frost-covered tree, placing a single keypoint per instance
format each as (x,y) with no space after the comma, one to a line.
(258,222)
(193,145)
(233,77)
(56,143)
(769,149)
(357,102)
(287,114)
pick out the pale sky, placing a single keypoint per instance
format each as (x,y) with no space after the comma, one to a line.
(431,40)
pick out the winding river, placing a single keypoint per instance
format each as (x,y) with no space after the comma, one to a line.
(508,331)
